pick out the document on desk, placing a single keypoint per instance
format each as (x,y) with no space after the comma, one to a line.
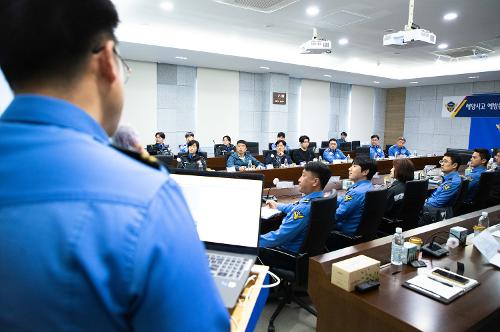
(488,246)
(268,213)
(442,289)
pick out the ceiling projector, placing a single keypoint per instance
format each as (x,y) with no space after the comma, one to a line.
(411,36)
(316,45)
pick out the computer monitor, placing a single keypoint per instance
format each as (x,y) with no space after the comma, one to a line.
(225,206)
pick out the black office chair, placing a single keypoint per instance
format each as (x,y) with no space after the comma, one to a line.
(363,152)
(312,145)
(355,145)
(373,212)
(485,195)
(165,160)
(293,268)
(321,150)
(459,201)
(387,147)
(270,146)
(324,144)
(219,150)
(253,148)
(411,206)
(201,153)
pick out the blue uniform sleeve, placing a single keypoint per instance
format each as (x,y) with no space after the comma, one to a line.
(406,152)
(392,151)
(443,195)
(285,208)
(255,161)
(291,226)
(230,163)
(372,153)
(170,276)
(327,156)
(346,205)
(342,155)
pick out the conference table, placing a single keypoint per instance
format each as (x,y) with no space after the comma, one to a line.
(392,307)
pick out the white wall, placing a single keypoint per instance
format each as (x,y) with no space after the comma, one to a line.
(362,114)
(141,100)
(217,105)
(5,93)
(314,112)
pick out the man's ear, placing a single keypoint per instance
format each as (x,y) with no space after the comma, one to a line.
(365,172)
(108,67)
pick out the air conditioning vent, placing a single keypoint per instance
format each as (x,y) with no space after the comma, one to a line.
(263,6)
(462,52)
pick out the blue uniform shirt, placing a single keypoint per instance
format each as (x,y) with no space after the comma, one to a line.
(331,155)
(350,207)
(444,196)
(474,177)
(183,148)
(293,229)
(91,239)
(396,150)
(376,152)
(235,161)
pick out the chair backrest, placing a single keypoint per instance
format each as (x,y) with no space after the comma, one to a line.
(324,144)
(201,153)
(464,186)
(484,195)
(363,151)
(270,146)
(321,150)
(355,144)
(464,154)
(322,217)
(165,160)
(312,145)
(265,153)
(373,212)
(345,146)
(219,150)
(253,148)
(387,147)
(413,201)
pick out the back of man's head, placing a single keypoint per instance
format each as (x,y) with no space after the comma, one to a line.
(320,170)
(51,40)
(366,164)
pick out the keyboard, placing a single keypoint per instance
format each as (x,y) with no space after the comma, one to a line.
(226,266)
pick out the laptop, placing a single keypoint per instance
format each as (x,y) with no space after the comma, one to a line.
(226,210)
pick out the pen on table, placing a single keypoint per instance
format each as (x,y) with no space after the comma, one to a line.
(441,282)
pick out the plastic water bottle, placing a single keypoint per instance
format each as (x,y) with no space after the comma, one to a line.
(320,159)
(286,162)
(397,247)
(200,165)
(468,170)
(484,220)
(249,165)
(348,157)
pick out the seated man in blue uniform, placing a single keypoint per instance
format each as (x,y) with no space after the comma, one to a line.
(332,153)
(343,137)
(350,206)
(241,160)
(279,137)
(94,239)
(278,157)
(189,136)
(303,153)
(192,160)
(399,148)
(375,149)
(293,229)
(160,147)
(443,198)
(478,162)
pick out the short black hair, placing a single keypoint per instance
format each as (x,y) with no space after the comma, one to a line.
(189,134)
(161,134)
(332,139)
(455,158)
(303,138)
(366,164)
(320,170)
(373,136)
(241,141)
(281,134)
(343,133)
(52,39)
(194,142)
(280,141)
(228,138)
(484,154)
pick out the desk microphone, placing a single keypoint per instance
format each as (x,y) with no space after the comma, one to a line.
(435,249)
(268,197)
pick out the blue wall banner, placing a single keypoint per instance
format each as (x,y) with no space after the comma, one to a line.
(484,133)
(475,106)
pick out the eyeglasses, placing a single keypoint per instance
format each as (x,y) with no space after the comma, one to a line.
(124,67)
(444,161)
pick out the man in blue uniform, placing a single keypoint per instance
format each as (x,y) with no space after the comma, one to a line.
(189,136)
(332,153)
(478,162)
(350,206)
(241,160)
(343,137)
(293,229)
(443,198)
(279,137)
(91,239)
(375,149)
(399,148)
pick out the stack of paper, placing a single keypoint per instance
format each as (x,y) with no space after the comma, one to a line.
(267,213)
(488,246)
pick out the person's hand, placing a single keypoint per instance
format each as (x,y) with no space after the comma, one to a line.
(242,168)
(271,204)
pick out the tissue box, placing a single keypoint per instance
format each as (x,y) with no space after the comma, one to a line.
(348,273)
(460,233)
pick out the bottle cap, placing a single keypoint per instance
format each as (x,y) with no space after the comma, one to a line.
(399,230)
(484,214)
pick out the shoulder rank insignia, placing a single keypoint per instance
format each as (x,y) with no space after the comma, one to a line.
(145,159)
(446,187)
(347,198)
(297,215)
(305,200)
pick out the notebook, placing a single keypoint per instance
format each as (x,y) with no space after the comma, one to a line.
(226,210)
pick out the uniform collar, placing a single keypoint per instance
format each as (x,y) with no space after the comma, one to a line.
(359,183)
(375,146)
(46,110)
(478,168)
(314,194)
(451,175)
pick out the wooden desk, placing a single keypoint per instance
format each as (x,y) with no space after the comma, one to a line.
(293,173)
(241,313)
(394,308)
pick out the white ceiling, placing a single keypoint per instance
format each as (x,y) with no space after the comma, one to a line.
(215,35)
